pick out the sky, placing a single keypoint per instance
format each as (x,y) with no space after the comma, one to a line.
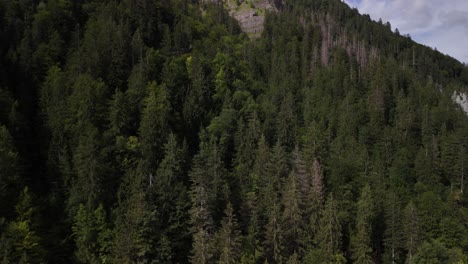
(441,24)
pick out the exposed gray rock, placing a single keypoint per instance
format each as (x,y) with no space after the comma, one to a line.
(251,13)
(461,99)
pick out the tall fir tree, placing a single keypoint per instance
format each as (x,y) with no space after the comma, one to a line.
(412,231)
(393,237)
(20,242)
(291,218)
(329,237)
(361,242)
(228,237)
(154,126)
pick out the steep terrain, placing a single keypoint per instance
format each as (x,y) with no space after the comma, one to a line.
(173,131)
(251,13)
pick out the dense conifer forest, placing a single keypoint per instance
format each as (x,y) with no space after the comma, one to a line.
(141,131)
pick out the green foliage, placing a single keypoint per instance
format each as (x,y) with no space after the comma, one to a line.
(228,238)
(88,168)
(20,242)
(135,233)
(329,236)
(361,241)
(154,124)
(394,235)
(92,235)
(173,206)
(158,132)
(412,231)
(437,252)
(291,219)
(87,103)
(8,169)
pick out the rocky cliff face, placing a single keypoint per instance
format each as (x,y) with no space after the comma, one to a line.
(251,13)
(461,99)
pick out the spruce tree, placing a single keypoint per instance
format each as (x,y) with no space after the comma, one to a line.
(229,238)
(361,242)
(411,229)
(20,242)
(154,126)
(393,237)
(92,235)
(291,219)
(329,236)
(171,198)
(9,170)
(273,236)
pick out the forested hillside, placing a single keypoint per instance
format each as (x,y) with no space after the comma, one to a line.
(140,131)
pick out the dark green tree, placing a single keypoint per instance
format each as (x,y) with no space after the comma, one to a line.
(291,218)
(172,206)
(136,230)
(412,235)
(228,237)
(329,236)
(393,237)
(274,236)
(154,126)
(20,242)
(361,245)
(9,170)
(92,235)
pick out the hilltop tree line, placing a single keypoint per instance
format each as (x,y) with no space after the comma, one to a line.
(140,131)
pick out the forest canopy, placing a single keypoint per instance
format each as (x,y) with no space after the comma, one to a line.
(139,131)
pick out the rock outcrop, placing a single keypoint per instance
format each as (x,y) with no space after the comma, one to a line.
(251,13)
(462,100)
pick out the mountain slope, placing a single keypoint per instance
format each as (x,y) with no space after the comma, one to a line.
(186,131)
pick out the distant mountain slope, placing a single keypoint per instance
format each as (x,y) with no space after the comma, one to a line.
(179,131)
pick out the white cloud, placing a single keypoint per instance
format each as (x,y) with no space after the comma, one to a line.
(436,23)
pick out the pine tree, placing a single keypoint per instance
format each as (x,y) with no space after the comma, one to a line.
(206,195)
(172,205)
(136,92)
(54,108)
(20,242)
(87,104)
(87,168)
(201,219)
(260,172)
(361,244)
(255,206)
(154,126)
(229,238)
(92,235)
(197,96)
(411,231)
(136,229)
(291,219)
(328,238)
(286,122)
(314,200)
(119,116)
(393,240)
(302,177)
(8,170)
(317,179)
(202,248)
(273,236)
(252,248)
(246,139)
(293,259)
